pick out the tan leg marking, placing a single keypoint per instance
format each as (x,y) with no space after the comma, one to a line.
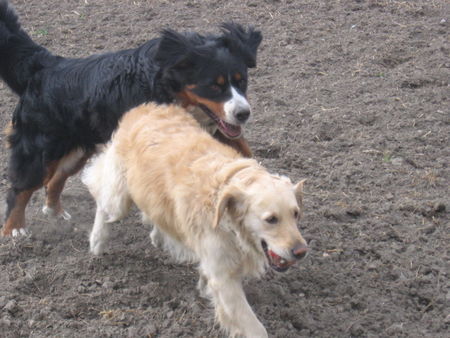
(69,165)
(16,218)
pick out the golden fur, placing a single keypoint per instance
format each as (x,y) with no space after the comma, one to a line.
(207,205)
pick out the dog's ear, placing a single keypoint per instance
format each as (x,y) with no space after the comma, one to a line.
(180,51)
(241,40)
(174,50)
(231,197)
(298,190)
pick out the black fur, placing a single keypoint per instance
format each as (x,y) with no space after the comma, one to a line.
(76,103)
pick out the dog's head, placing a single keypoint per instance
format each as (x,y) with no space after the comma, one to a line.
(268,208)
(210,72)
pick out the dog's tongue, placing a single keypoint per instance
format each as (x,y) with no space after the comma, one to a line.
(229,130)
(279,263)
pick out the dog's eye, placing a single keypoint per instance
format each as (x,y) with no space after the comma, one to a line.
(296,214)
(272,219)
(242,85)
(215,88)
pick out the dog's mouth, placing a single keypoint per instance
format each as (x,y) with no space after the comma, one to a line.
(229,130)
(276,262)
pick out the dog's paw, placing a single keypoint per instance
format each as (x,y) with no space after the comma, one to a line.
(97,241)
(20,232)
(156,238)
(46,210)
(52,212)
(96,248)
(64,214)
(202,287)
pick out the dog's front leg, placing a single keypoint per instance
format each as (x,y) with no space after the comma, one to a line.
(239,144)
(233,310)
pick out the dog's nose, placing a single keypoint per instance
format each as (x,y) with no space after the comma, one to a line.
(243,115)
(300,251)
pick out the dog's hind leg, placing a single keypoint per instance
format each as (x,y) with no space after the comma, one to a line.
(17,201)
(157,237)
(15,215)
(69,165)
(99,234)
(202,286)
(106,181)
(110,208)
(27,174)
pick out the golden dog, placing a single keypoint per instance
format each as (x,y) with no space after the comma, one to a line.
(207,205)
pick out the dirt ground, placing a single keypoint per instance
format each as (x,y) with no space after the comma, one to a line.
(352,95)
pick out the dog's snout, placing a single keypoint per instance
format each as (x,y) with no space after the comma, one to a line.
(300,251)
(243,115)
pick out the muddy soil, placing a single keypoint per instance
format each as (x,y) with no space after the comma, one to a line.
(352,95)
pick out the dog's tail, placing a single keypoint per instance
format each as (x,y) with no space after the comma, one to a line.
(20,57)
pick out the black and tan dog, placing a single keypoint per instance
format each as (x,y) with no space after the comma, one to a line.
(68,106)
